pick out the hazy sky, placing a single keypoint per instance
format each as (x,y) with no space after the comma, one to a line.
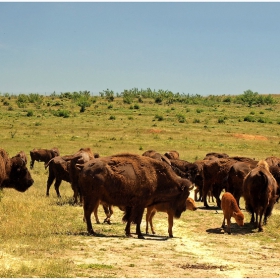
(186,47)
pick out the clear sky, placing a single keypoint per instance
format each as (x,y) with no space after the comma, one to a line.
(187,47)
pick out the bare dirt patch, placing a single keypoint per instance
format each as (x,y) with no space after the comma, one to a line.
(199,249)
(250,137)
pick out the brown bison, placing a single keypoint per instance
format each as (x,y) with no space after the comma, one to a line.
(214,155)
(58,171)
(22,155)
(132,182)
(62,168)
(231,209)
(14,173)
(260,193)
(42,155)
(165,207)
(236,175)
(215,175)
(172,155)
(156,155)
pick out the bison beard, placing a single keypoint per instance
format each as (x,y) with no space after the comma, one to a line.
(133,183)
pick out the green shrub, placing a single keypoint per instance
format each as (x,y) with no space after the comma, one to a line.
(29,113)
(112,118)
(249,119)
(159,117)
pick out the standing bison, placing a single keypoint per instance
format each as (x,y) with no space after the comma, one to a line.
(133,183)
(260,193)
(43,155)
(14,173)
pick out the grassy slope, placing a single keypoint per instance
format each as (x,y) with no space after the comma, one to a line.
(35,231)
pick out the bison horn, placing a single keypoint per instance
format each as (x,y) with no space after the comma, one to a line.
(79,166)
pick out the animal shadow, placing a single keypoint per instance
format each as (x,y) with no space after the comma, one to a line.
(235,229)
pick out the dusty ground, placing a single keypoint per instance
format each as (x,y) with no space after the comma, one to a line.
(198,250)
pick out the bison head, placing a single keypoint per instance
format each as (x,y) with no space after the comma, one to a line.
(19,178)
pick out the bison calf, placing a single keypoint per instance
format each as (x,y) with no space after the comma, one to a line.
(231,209)
(165,207)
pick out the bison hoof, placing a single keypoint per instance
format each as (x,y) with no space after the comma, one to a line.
(170,235)
(140,236)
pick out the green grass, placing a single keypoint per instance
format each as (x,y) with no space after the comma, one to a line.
(36,232)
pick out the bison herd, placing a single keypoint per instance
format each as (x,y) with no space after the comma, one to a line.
(153,181)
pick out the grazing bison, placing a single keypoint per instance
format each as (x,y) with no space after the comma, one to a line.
(62,168)
(231,209)
(14,173)
(260,193)
(165,207)
(172,155)
(156,155)
(214,155)
(43,155)
(236,175)
(132,182)
(215,175)
(58,171)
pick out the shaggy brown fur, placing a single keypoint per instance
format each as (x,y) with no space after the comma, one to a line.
(260,193)
(231,209)
(14,173)
(165,207)
(133,183)
(42,155)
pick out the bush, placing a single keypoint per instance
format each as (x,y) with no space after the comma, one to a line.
(249,119)
(29,113)
(159,117)
(62,113)
(112,118)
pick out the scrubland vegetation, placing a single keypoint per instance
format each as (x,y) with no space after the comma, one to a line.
(46,237)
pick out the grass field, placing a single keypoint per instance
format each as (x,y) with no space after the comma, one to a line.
(46,237)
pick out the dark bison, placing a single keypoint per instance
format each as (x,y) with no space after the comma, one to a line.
(215,175)
(43,155)
(156,155)
(260,193)
(132,182)
(14,173)
(169,209)
(62,168)
(58,171)
(214,155)
(236,175)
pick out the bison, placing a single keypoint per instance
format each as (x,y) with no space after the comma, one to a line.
(14,173)
(165,207)
(260,193)
(132,182)
(63,168)
(172,155)
(42,155)
(231,209)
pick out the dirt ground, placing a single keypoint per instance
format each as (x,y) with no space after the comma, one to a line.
(192,253)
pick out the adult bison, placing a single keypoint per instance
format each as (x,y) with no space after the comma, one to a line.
(14,173)
(42,155)
(62,168)
(215,175)
(132,182)
(236,175)
(260,190)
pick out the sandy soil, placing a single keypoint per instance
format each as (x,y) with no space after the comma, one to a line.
(192,253)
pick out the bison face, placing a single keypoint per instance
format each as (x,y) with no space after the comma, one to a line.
(20,178)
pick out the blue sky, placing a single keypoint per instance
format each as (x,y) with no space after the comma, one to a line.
(187,47)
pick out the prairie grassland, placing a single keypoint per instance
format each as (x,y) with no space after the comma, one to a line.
(46,237)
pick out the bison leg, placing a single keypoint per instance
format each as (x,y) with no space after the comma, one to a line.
(170,224)
(49,183)
(56,186)
(149,219)
(138,220)
(108,210)
(95,212)
(89,206)
(31,164)
(228,226)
